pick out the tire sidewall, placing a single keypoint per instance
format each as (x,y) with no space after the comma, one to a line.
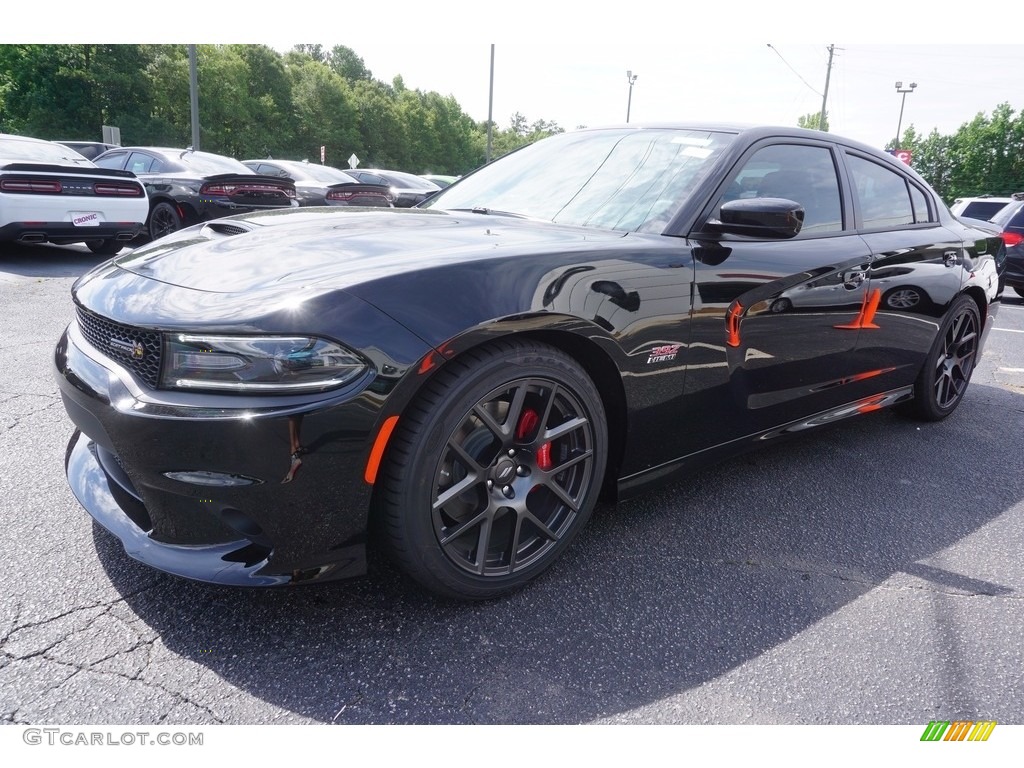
(460,391)
(152,217)
(927,404)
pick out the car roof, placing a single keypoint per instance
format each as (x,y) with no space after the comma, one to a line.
(55,145)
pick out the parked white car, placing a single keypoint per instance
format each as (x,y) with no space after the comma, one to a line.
(983,207)
(49,193)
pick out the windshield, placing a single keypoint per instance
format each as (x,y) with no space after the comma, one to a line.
(622,179)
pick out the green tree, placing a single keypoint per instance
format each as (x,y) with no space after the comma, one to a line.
(325,112)
(812,121)
(346,63)
(984,156)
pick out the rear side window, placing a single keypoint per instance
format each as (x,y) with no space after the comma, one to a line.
(886,198)
(143,163)
(115,160)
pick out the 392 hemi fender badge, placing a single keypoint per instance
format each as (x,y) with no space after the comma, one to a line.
(663,354)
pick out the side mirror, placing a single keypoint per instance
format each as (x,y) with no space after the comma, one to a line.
(761,217)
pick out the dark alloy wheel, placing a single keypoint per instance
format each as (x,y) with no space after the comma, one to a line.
(163,220)
(494,470)
(109,247)
(946,373)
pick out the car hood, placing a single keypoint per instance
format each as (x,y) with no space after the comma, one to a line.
(339,246)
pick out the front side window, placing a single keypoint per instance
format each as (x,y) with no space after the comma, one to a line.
(798,172)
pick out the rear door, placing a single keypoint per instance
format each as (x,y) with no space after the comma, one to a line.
(917,266)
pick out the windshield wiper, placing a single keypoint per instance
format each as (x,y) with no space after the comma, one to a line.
(483,211)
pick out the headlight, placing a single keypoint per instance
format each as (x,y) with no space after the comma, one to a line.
(278,364)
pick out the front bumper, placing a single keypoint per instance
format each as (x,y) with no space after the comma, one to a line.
(209,492)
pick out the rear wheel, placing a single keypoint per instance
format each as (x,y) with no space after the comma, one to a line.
(109,247)
(1019,291)
(494,470)
(946,373)
(163,219)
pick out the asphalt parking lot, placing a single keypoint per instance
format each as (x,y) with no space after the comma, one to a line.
(866,574)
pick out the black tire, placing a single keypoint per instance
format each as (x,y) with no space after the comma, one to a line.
(163,220)
(109,247)
(1019,291)
(493,470)
(947,371)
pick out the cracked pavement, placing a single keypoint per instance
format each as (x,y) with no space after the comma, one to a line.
(868,573)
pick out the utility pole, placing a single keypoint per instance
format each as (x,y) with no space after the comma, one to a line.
(824,98)
(490,108)
(193,87)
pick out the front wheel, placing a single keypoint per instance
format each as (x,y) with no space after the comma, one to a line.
(493,470)
(947,371)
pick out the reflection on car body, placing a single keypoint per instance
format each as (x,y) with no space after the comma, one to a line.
(589,314)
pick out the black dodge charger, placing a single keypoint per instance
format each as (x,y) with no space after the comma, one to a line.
(592,314)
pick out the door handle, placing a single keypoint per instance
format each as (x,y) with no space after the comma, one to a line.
(853,278)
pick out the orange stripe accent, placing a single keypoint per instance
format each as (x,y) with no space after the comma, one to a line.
(869,315)
(958,730)
(855,323)
(732,324)
(373,463)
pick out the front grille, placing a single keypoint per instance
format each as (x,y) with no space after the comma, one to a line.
(136,349)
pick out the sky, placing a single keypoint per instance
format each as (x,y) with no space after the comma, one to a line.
(567,62)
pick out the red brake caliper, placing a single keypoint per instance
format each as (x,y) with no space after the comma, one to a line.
(527,423)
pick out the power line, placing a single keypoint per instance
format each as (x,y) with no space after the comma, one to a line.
(819,93)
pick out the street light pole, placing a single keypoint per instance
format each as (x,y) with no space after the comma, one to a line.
(632,79)
(904,91)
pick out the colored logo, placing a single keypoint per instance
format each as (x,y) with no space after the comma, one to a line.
(663,354)
(958,730)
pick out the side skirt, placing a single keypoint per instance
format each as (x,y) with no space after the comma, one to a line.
(632,484)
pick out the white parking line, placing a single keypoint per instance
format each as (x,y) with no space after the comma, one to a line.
(1008,330)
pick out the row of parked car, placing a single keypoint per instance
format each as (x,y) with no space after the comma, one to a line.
(1007,215)
(106,196)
